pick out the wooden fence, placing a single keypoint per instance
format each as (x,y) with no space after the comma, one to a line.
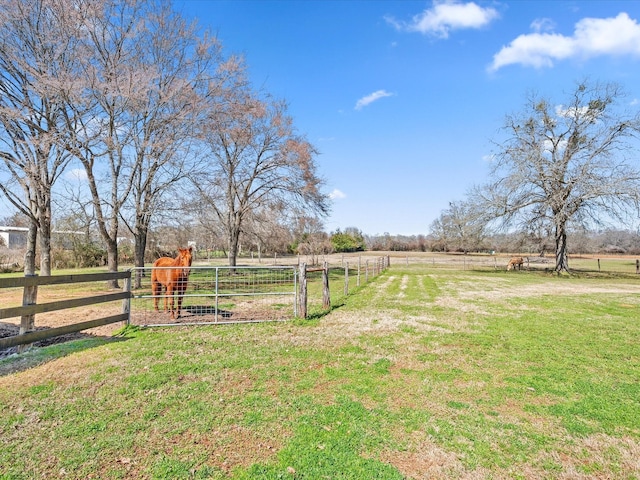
(30,307)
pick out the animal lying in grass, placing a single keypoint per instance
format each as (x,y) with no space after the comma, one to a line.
(174,280)
(515,262)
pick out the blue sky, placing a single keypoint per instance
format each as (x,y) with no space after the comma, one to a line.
(404,98)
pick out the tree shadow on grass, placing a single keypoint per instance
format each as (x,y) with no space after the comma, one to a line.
(47,350)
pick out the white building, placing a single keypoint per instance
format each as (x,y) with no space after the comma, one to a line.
(13,237)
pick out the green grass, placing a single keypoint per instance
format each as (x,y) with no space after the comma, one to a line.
(420,373)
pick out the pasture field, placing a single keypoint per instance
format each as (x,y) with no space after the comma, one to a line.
(424,372)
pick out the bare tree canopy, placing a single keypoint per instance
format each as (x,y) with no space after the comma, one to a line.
(136,95)
(565,163)
(256,160)
(36,51)
(147,77)
(182,68)
(460,227)
(101,126)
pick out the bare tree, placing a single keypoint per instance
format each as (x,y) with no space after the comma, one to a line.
(256,159)
(313,241)
(98,126)
(460,227)
(208,232)
(183,68)
(37,46)
(147,75)
(566,163)
(266,229)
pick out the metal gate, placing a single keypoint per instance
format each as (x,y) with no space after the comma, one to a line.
(217,295)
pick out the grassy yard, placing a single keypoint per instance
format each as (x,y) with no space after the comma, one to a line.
(422,373)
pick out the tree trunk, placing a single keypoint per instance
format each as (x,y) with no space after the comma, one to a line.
(234,240)
(140,245)
(562,261)
(45,247)
(30,255)
(112,261)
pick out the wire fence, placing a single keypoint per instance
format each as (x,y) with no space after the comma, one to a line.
(587,263)
(220,295)
(329,285)
(223,294)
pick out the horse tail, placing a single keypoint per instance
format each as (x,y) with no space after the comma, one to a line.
(154,274)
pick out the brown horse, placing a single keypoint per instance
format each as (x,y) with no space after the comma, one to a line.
(173,279)
(515,262)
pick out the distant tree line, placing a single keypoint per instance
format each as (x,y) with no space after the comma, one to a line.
(608,241)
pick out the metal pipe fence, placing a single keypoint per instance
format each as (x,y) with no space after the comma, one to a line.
(220,294)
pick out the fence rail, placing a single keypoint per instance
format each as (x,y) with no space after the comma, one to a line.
(30,307)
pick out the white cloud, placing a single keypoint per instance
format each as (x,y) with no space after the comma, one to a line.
(570,112)
(372,97)
(78,174)
(542,25)
(337,194)
(445,16)
(592,37)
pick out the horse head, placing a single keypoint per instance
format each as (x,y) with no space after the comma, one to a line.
(185,258)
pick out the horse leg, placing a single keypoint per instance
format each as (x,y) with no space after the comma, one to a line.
(180,288)
(170,294)
(156,289)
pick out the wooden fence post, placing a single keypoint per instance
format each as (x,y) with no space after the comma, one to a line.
(126,303)
(358,280)
(302,297)
(637,267)
(28,322)
(326,297)
(366,272)
(346,279)
(598,264)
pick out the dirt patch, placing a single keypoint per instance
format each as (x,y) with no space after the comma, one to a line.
(10,330)
(424,459)
(12,297)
